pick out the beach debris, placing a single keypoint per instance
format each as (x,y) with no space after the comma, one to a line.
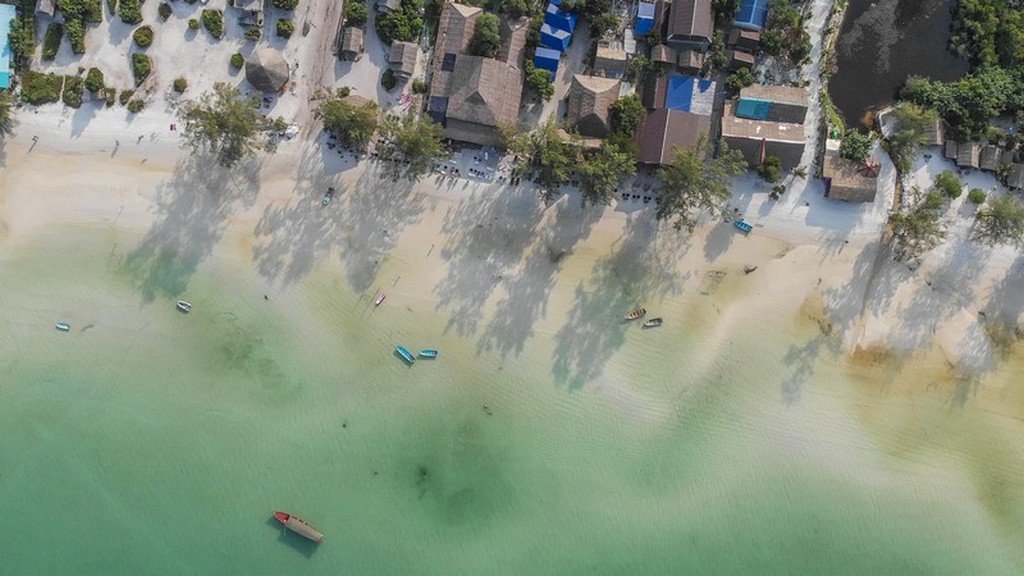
(749,269)
(711,281)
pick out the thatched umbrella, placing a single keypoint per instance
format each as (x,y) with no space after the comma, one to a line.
(266,70)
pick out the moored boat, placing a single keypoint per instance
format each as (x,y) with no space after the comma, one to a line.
(184,306)
(380,299)
(653,322)
(299,526)
(63,326)
(405,354)
(638,313)
(428,353)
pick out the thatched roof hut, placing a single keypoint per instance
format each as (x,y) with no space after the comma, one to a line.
(590,98)
(266,70)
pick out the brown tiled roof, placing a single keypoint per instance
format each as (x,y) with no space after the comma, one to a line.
(455,30)
(653,94)
(663,54)
(846,180)
(746,40)
(968,154)
(738,59)
(758,138)
(485,92)
(691,19)
(664,130)
(513,40)
(403,58)
(691,59)
(352,41)
(1015,179)
(990,156)
(590,98)
(950,149)
(789,103)
(934,133)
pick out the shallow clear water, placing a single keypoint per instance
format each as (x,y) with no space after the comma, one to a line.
(146,441)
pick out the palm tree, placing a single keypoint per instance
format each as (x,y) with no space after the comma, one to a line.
(6,114)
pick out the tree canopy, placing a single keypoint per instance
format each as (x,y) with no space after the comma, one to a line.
(352,120)
(400,25)
(414,143)
(989,32)
(6,114)
(693,182)
(540,80)
(486,40)
(911,123)
(969,103)
(602,170)
(917,226)
(224,123)
(548,156)
(1001,221)
(855,146)
(356,13)
(626,113)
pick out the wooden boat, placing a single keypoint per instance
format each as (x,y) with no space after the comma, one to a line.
(184,306)
(428,353)
(653,322)
(405,354)
(63,326)
(638,313)
(743,226)
(327,196)
(299,526)
(380,299)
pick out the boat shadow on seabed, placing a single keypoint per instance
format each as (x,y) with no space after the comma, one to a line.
(298,543)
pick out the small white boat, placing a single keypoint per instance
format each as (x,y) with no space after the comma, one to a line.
(380,299)
(184,306)
(63,326)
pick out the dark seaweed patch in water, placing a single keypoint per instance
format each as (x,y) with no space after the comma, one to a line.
(242,351)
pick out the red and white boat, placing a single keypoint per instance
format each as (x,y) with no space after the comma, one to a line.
(380,299)
(299,526)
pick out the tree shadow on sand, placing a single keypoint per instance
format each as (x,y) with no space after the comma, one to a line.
(527,290)
(192,208)
(487,233)
(644,266)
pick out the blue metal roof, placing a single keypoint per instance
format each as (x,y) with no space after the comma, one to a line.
(546,58)
(554,17)
(752,14)
(7,15)
(643,26)
(689,94)
(554,38)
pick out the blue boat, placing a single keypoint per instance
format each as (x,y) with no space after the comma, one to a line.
(743,225)
(405,354)
(63,326)
(428,353)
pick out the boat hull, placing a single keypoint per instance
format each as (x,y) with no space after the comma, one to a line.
(184,307)
(405,354)
(638,313)
(428,353)
(63,326)
(299,526)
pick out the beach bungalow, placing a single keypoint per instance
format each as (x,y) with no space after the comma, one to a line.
(752,14)
(744,40)
(481,94)
(849,181)
(7,15)
(402,58)
(990,157)
(737,59)
(589,104)
(1015,177)
(968,155)
(610,61)
(773,103)
(934,133)
(690,62)
(664,55)
(691,25)
(758,139)
(351,43)
(949,151)
(266,70)
(664,130)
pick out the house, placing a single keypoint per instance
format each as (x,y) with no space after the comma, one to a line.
(455,30)
(481,94)
(773,103)
(758,139)
(737,59)
(1015,178)
(46,8)
(513,41)
(384,6)
(351,43)
(690,25)
(934,133)
(752,14)
(402,58)
(589,104)
(662,54)
(652,94)
(690,62)
(689,94)
(664,130)
(949,152)
(990,157)
(610,61)
(555,38)
(555,18)
(745,40)
(644,18)
(848,181)
(968,155)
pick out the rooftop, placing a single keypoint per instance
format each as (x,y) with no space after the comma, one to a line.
(664,130)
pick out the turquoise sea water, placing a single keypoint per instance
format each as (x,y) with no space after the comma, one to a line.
(150,442)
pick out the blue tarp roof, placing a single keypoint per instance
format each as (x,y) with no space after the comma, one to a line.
(554,17)
(753,109)
(643,26)
(752,14)
(689,94)
(554,38)
(7,14)
(546,58)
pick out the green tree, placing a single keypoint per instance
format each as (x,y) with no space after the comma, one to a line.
(224,123)
(516,9)
(693,183)
(6,114)
(725,10)
(401,25)
(771,169)
(976,196)
(549,157)
(285,27)
(94,80)
(739,79)
(1001,221)
(917,226)
(947,183)
(486,38)
(356,14)
(539,80)
(626,113)
(855,146)
(352,120)
(602,171)
(414,142)
(909,133)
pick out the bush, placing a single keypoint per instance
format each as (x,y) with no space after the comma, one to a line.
(112,4)
(771,169)
(976,196)
(419,86)
(136,106)
(51,40)
(39,88)
(94,80)
(387,79)
(141,67)
(76,35)
(130,11)
(356,14)
(237,60)
(486,38)
(855,146)
(180,85)
(125,96)
(193,24)
(399,25)
(254,33)
(286,4)
(110,96)
(93,11)
(164,11)
(23,42)
(285,27)
(143,36)
(213,21)
(74,88)
(947,183)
